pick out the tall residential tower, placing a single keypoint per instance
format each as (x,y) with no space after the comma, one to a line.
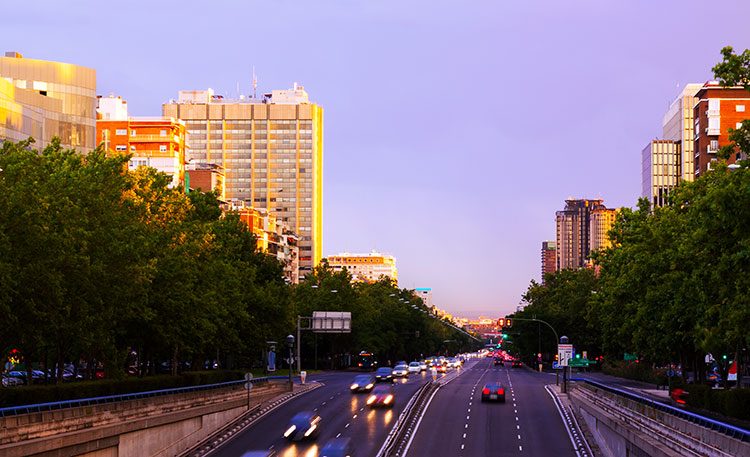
(574,232)
(271,151)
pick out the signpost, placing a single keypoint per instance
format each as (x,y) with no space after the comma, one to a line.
(564,354)
(303,376)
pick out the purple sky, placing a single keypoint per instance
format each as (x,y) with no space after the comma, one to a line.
(453,130)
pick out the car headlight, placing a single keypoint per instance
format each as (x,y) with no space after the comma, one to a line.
(354,386)
(371,399)
(310,430)
(289,431)
(388,399)
(368,386)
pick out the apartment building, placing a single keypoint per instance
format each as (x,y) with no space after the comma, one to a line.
(43,99)
(602,219)
(271,151)
(365,267)
(153,141)
(717,110)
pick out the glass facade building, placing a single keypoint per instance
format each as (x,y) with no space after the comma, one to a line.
(660,167)
(42,99)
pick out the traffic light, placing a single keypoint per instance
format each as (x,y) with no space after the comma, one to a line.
(557,357)
(501,322)
(505,336)
(508,322)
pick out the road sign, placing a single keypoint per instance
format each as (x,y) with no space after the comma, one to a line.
(579,363)
(564,354)
(249,385)
(585,354)
(556,366)
(303,376)
(9,366)
(248,376)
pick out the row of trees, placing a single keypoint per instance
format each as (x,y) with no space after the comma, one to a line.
(675,285)
(98,262)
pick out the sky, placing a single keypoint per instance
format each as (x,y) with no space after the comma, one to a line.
(453,131)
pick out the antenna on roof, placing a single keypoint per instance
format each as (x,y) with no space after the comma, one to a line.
(255,83)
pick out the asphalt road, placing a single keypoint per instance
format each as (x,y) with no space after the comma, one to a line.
(343,414)
(458,424)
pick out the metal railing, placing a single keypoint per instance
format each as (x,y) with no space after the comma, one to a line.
(39,407)
(721,427)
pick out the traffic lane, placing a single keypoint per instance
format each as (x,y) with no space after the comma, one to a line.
(267,432)
(444,429)
(339,410)
(541,428)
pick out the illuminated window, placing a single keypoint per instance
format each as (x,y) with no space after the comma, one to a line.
(741,108)
(162,148)
(132,133)
(121,132)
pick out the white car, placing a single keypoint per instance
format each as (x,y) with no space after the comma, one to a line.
(423,365)
(401,371)
(414,368)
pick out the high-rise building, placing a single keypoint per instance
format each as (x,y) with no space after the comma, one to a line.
(718,109)
(153,141)
(602,220)
(549,258)
(573,232)
(271,151)
(42,99)
(660,170)
(678,126)
(365,267)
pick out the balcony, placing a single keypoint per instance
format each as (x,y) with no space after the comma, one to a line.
(712,149)
(154,139)
(713,131)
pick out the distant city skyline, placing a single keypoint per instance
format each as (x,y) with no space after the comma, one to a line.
(453,132)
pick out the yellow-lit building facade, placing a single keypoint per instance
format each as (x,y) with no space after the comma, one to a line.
(365,267)
(43,99)
(602,220)
(660,170)
(271,151)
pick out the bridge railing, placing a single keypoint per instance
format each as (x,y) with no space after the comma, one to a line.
(39,407)
(721,427)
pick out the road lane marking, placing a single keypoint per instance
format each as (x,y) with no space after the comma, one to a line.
(338,435)
(354,417)
(464,435)
(462,447)
(346,426)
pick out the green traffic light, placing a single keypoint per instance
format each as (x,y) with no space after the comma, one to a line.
(505,336)
(578,356)
(724,356)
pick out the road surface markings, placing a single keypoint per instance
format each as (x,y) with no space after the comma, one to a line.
(346,426)
(338,435)
(572,430)
(354,416)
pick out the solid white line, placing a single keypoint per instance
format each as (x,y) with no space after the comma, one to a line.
(567,428)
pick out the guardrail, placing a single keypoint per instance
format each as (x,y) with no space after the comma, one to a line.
(394,442)
(39,407)
(721,427)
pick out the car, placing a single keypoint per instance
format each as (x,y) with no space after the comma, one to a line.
(362,383)
(380,396)
(401,362)
(453,363)
(337,447)
(430,361)
(383,374)
(401,371)
(493,391)
(441,368)
(11,381)
(414,368)
(304,425)
(499,361)
(266,453)
(423,365)
(516,363)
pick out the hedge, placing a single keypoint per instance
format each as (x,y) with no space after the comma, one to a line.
(731,403)
(27,395)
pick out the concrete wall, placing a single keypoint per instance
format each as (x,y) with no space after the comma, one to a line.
(159,426)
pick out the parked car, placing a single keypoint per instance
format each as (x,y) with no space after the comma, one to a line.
(11,381)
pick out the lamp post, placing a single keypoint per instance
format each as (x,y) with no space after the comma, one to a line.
(290,343)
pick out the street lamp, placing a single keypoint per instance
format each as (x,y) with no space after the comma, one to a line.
(290,343)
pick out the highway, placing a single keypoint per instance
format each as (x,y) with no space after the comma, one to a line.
(458,424)
(343,414)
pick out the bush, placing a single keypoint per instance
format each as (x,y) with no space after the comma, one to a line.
(731,403)
(28,395)
(631,370)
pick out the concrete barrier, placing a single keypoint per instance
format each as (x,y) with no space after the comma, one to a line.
(157,426)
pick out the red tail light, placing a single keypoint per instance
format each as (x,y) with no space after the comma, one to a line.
(486,391)
(501,391)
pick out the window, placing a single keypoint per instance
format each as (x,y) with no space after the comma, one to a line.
(132,148)
(121,132)
(132,133)
(163,133)
(121,147)
(714,145)
(162,148)
(740,108)
(713,106)
(738,125)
